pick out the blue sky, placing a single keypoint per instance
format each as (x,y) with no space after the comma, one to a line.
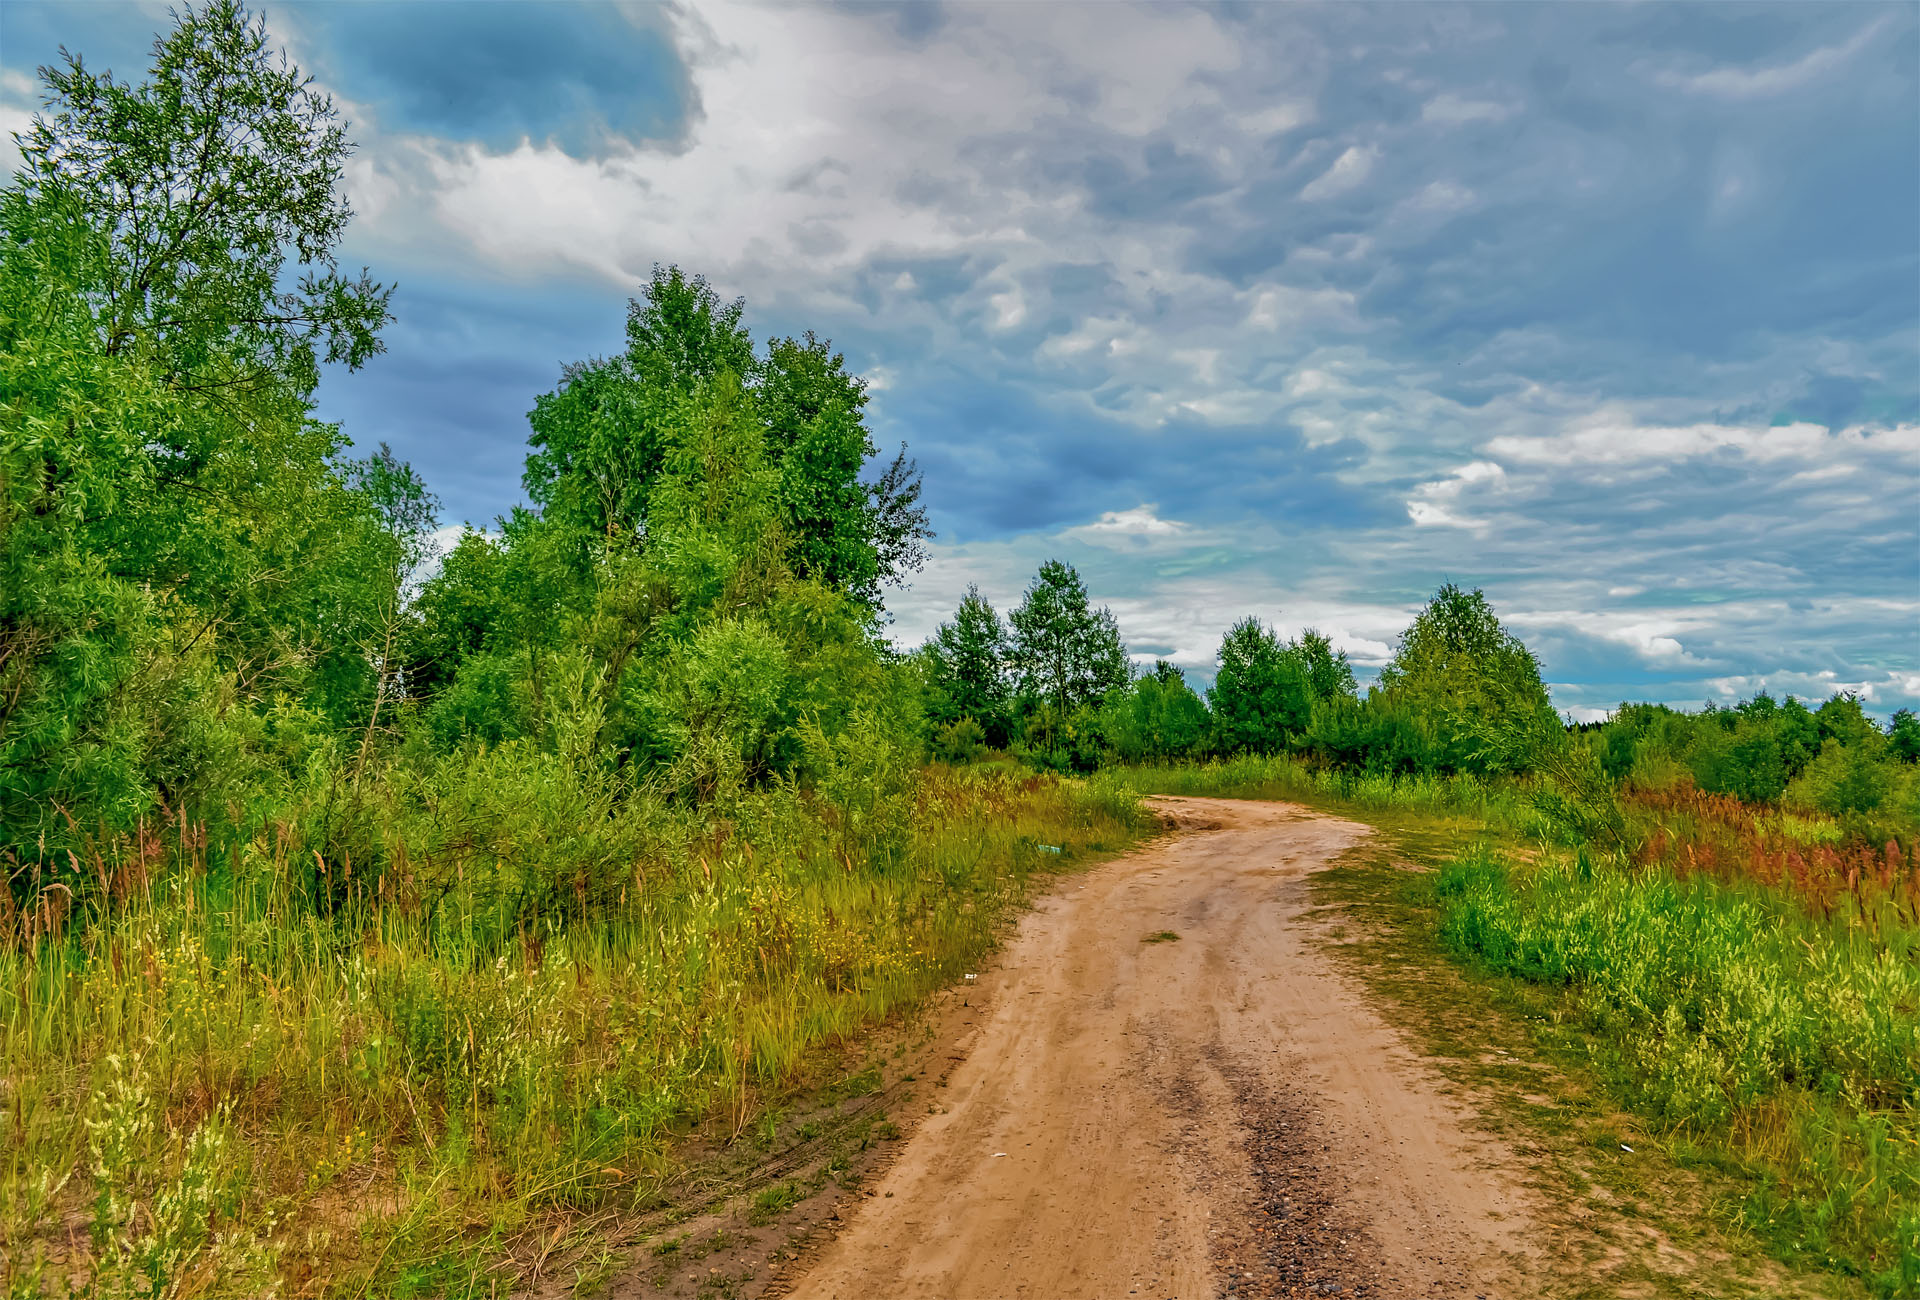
(1611,310)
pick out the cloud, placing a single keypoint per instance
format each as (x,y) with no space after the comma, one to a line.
(1607,439)
(1349,170)
(585,78)
(1433,503)
(1449,109)
(1731,82)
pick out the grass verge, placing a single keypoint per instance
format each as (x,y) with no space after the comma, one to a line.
(214,1088)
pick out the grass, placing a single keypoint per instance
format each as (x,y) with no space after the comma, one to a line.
(1728,1018)
(1742,1008)
(213,1087)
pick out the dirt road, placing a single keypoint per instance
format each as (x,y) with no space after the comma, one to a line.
(1219,1113)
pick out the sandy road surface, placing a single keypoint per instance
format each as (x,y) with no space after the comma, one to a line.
(1220,1114)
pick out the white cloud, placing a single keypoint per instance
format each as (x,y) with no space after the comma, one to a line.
(1351,168)
(1433,503)
(1141,521)
(1755,83)
(1454,110)
(1615,438)
(1276,119)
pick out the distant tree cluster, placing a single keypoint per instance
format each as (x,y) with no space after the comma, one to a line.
(1460,695)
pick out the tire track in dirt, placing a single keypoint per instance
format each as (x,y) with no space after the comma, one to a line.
(1217,1114)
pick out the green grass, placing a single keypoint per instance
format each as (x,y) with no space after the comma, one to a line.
(1729,1019)
(230,1088)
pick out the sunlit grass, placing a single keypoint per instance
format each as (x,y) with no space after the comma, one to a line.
(391,1092)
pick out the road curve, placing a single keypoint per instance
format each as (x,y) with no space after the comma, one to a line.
(1217,1114)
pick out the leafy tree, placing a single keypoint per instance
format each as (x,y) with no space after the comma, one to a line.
(1328,674)
(967,669)
(1476,683)
(1903,736)
(178,541)
(1261,696)
(1064,652)
(600,439)
(1159,718)
(200,182)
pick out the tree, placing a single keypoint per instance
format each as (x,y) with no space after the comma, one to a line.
(1261,697)
(201,181)
(1475,682)
(1327,671)
(1065,653)
(967,670)
(1903,736)
(177,540)
(600,439)
(1159,718)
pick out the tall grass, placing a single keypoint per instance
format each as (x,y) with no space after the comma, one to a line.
(1256,776)
(214,1087)
(1729,1012)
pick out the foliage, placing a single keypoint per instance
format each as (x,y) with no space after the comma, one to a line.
(966,670)
(602,439)
(509,1022)
(1728,1016)
(1260,699)
(183,547)
(1064,653)
(1465,673)
(1159,719)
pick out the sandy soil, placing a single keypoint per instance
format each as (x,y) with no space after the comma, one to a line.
(1215,1114)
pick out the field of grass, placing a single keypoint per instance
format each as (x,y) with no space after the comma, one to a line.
(1748,990)
(214,1088)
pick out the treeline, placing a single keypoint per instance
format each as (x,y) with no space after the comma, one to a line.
(1053,685)
(210,609)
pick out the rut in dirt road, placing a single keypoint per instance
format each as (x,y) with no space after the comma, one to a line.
(1219,1113)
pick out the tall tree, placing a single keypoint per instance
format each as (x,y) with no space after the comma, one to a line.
(202,180)
(966,667)
(1329,675)
(600,438)
(175,529)
(1474,681)
(1261,696)
(1064,651)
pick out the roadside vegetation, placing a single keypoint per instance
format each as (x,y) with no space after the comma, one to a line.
(367,915)
(370,909)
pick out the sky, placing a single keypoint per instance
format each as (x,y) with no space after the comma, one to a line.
(1610,310)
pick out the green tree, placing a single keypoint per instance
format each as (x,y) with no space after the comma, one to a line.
(1475,682)
(601,438)
(1064,652)
(1261,697)
(179,542)
(1159,718)
(201,181)
(966,668)
(1903,736)
(1329,676)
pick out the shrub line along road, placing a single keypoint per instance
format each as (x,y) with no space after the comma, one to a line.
(1217,1114)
